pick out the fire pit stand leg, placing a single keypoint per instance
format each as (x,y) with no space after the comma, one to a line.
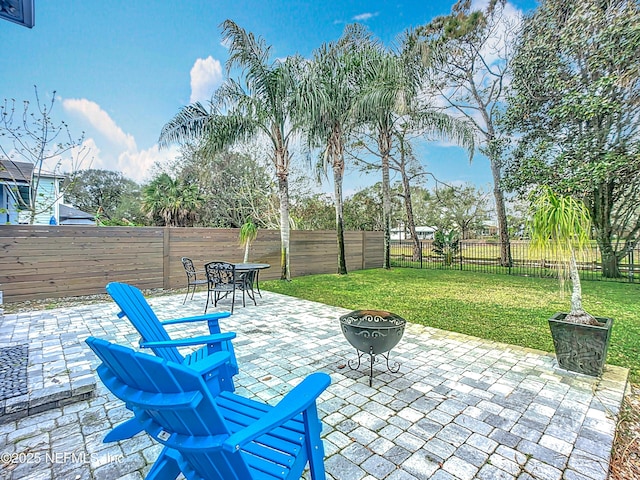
(360,354)
(396,365)
(372,360)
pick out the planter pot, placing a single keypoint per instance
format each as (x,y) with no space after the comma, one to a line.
(580,348)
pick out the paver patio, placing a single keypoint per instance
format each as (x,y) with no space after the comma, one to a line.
(460,407)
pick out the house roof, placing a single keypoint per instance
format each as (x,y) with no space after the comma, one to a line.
(66,212)
(16,172)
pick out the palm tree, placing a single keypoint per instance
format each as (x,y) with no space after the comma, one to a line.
(170,201)
(326,102)
(559,226)
(390,101)
(259,107)
(248,233)
(382,100)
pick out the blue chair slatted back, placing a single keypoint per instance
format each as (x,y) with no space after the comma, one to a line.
(135,307)
(176,407)
(214,434)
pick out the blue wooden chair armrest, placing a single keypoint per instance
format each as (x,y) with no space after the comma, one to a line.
(187,342)
(297,400)
(210,363)
(198,318)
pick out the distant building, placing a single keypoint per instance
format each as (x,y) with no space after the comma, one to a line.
(69,215)
(17,180)
(422,232)
(489,230)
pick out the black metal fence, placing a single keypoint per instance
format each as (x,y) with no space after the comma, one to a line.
(485,257)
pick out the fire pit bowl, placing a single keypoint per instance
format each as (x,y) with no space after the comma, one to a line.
(372,332)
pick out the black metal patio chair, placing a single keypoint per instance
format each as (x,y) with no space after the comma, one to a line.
(192,277)
(223,280)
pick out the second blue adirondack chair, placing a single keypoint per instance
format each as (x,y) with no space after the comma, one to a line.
(213,434)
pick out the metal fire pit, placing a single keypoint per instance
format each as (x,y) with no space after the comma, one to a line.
(372,332)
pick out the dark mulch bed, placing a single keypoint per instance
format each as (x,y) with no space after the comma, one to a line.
(625,458)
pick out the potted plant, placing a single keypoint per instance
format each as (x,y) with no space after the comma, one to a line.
(248,233)
(560,226)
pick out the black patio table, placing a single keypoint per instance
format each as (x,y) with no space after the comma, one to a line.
(252,267)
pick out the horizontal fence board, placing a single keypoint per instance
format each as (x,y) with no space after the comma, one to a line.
(55,261)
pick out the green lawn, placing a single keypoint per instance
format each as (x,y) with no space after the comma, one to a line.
(504,308)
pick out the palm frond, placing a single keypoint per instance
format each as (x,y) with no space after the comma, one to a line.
(442,125)
(191,122)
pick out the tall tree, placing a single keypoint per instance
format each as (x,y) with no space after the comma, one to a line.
(389,86)
(94,189)
(576,105)
(259,105)
(391,105)
(314,212)
(326,104)
(426,121)
(468,54)
(234,186)
(395,107)
(464,208)
(34,137)
(363,209)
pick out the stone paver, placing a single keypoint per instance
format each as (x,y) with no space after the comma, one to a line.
(460,408)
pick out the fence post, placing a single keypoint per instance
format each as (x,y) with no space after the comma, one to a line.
(364,243)
(166,247)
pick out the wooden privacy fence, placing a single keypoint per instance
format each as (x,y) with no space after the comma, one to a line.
(59,261)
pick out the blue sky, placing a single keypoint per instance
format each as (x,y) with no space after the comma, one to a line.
(122,69)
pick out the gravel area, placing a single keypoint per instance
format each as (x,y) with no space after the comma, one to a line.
(51,303)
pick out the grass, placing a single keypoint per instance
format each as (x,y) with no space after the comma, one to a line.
(503,308)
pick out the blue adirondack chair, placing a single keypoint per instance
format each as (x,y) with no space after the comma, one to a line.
(214,434)
(153,335)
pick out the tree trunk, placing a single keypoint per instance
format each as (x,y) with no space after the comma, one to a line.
(338,170)
(281,163)
(576,286)
(600,210)
(501,213)
(411,223)
(283,191)
(384,145)
(577,314)
(610,260)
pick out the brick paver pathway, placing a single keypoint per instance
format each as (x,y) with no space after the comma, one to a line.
(460,407)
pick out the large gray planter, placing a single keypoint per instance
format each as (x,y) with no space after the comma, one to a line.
(580,348)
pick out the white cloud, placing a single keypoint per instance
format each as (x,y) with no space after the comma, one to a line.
(101,121)
(137,165)
(363,17)
(206,75)
(113,149)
